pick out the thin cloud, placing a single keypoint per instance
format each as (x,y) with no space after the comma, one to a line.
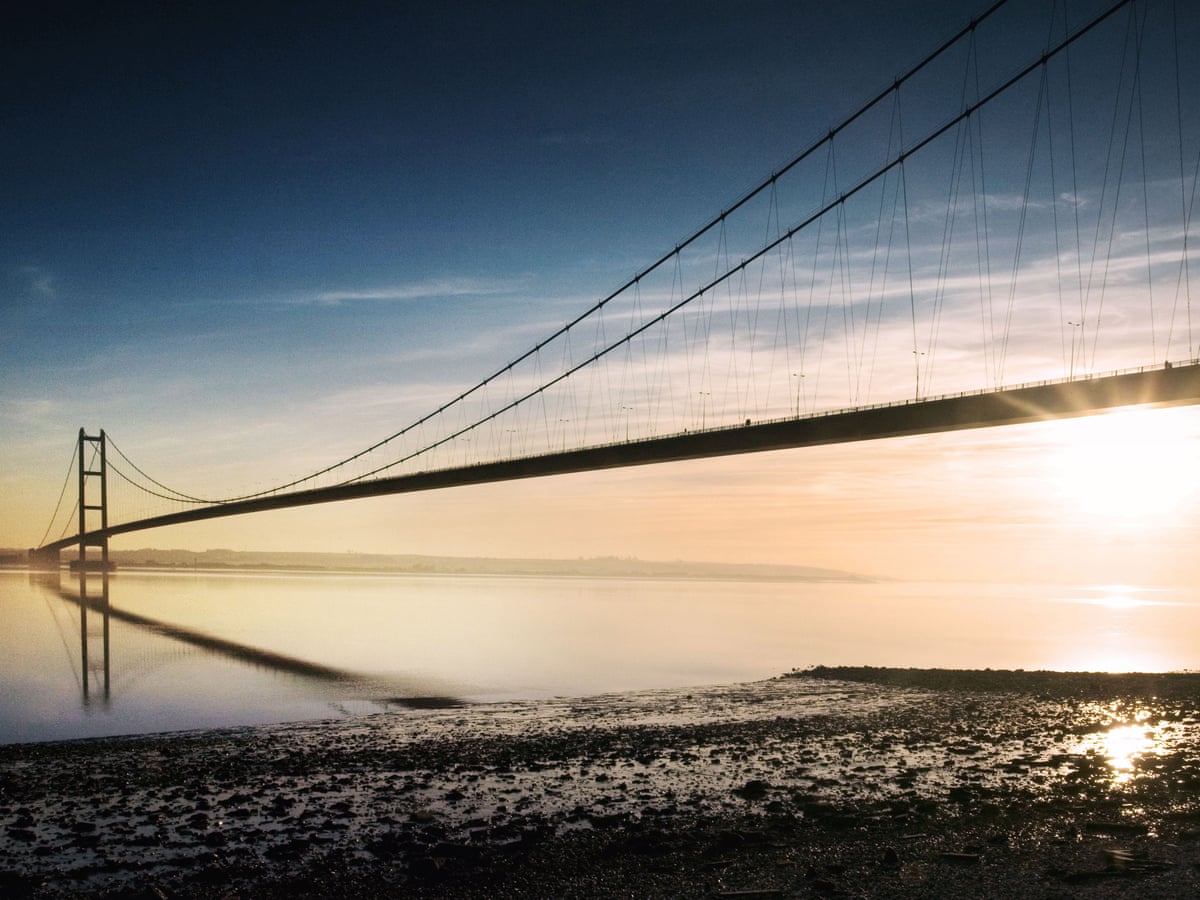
(36,283)
(421,290)
(30,410)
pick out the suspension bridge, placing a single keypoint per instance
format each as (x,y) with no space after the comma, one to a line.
(1000,236)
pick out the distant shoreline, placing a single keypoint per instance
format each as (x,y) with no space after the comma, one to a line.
(414,564)
(1181,685)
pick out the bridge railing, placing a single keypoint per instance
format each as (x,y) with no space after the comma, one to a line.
(842,411)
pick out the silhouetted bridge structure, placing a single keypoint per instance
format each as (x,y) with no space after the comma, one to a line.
(1026,256)
(1171,385)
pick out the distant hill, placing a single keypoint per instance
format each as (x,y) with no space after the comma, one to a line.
(604,566)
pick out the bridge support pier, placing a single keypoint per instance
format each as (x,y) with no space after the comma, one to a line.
(43,559)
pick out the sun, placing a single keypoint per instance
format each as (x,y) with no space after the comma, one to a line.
(1119,596)
(1130,468)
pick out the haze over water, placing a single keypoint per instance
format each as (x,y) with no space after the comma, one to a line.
(387,641)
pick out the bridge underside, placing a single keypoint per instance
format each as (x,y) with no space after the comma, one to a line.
(1167,386)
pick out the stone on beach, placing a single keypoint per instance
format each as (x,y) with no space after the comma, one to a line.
(795,786)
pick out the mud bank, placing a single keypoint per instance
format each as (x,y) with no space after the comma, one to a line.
(831,782)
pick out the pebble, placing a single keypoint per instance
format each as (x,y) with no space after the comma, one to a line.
(811,767)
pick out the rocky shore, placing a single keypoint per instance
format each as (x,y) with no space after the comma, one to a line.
(824,783)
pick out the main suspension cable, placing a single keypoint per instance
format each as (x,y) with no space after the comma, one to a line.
(745,263)
(898,161)
(62,493)
(176,495)
(631,283)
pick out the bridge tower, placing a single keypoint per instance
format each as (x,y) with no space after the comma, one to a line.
(93,497)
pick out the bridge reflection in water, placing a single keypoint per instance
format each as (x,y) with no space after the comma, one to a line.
(90,594)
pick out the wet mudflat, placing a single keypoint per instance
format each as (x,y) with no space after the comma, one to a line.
(836,782)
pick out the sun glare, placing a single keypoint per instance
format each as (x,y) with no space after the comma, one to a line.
(1118,596)
(1122,745)
(1126,468)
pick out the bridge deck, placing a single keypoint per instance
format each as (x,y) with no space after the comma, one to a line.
(1160,386)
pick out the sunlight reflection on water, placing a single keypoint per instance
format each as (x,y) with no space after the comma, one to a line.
(483,638)
(1119,596)
(1122,628)
(1128,743)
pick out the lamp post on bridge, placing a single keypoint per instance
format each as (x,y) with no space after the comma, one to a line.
(1074,325)
(799,376)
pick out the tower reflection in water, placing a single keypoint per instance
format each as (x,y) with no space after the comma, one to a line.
(94,598)
(89,593)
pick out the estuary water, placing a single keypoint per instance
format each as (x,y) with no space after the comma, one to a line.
(182,650)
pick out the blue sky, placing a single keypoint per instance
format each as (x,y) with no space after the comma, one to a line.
(247,239)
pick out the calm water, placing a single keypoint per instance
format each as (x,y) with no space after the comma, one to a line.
(182,646)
